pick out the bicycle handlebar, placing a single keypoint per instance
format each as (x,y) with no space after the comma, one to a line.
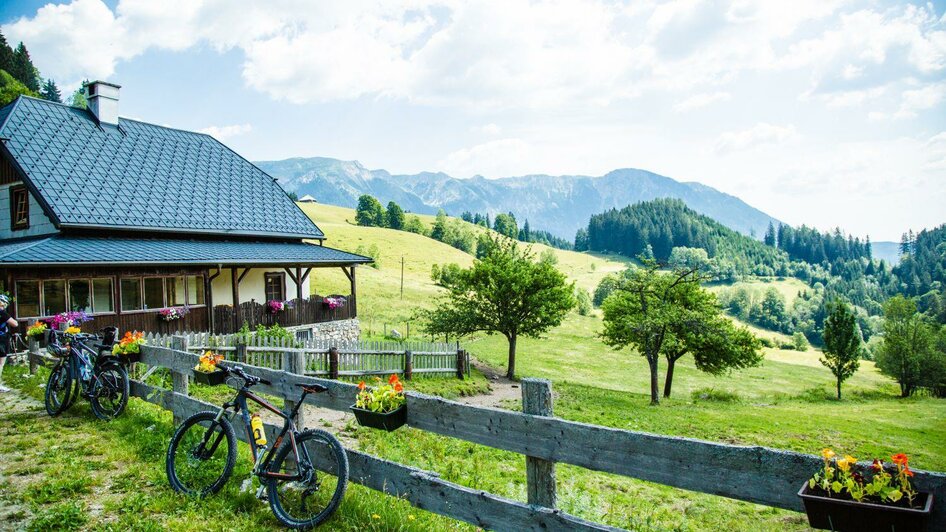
(250,380)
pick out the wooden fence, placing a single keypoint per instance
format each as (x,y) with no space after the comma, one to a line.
(748,473)
(227,319)
(326,358)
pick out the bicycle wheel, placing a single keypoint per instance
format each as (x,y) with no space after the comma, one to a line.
(311,500)
(199,461)
(110,390)
(58,389)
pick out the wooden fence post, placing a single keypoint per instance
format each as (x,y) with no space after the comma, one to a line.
(333,362)
(240,352)
(294,362)
(461,363)
(540,474)
(408,365)
(179,380)
(31,356)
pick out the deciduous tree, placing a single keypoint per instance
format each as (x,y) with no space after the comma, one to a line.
(907,342)
(394,216)
(369,212)
(507,292)
(842,343)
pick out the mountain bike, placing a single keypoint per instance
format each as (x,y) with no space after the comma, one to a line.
(304,474)
(85,369)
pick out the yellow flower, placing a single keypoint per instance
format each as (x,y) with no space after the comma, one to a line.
(845,463)
(827,453)
(375,516)
(410,517)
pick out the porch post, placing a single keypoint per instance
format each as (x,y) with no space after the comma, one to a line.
(353,309)
(298,280)
(235,281)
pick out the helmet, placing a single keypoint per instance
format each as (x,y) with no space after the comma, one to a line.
(4,299)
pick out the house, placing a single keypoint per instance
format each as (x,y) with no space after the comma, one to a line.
(122,219)
(307,199)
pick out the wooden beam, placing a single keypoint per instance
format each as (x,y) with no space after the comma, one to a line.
(298,280)
(290,274)
(347,274)
(214,276)
(242,275)
(235,282)
(353,303)
(209,300)
(306,274)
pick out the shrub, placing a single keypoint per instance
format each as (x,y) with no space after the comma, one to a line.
(583,299)
(766,342)
(714,395)
(800,342)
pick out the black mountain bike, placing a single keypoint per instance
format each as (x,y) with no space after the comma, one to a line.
(84,368)
(305,475)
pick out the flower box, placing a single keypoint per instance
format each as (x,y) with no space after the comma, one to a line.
(130,358)
(213,378)
(840,515)
(381,420)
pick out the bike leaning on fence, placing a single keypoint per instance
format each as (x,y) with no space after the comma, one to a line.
(304,474)
(82,369)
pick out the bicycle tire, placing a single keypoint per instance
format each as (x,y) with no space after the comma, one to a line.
(59,380)
(226,431)
(336,451)
(112,382)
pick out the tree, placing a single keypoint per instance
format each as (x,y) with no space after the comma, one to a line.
(395,216)
(507,292)
(79,98)
(907,342)
(292,194)
(369,212)
(440,226)
(770,239)
(23,69)
(505,224)
(670,315)
(842,343)
(690,258)
(50,92)
(11,89)
(6,54)
(413,224)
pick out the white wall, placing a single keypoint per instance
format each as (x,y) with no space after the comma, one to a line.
(252,287)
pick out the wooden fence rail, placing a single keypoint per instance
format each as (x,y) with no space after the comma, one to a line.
(749,473)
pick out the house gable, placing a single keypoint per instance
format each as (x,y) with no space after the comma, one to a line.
(140,176)
(38,222)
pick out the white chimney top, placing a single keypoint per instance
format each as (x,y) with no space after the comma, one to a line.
(103,101)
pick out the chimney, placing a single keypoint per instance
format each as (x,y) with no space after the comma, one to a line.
(103,101)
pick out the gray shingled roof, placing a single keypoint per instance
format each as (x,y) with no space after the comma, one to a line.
(61,250)
(144,176)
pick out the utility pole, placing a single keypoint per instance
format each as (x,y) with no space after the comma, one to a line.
(402,276)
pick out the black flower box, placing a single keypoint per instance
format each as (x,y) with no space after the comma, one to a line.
(843,515)
(214,378)
(377,420)
(130,358)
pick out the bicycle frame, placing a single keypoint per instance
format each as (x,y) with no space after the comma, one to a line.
(239,405)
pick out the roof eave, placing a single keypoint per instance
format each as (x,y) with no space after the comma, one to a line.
(185,231)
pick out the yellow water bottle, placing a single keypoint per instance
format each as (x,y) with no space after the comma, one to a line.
(259,434)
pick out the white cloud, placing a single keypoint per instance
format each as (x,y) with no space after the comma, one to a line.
(758,135)
(222,133)
(701,100)
(920,99)
(496,158)
(490,130)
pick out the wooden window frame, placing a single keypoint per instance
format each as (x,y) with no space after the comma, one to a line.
(164,278)
(282,280)
(67,280)
(16,193)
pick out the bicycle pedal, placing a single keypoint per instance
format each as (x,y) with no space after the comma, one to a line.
(261,493)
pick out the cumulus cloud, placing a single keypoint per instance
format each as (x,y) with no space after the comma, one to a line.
(223,133)
(701,100)
(758,135)
(496,158)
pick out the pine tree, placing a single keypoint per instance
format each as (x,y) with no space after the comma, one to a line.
(51,92)
(769,238)
(23,69)
(6,54)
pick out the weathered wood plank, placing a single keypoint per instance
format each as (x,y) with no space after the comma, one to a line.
(540,474)
(423,489)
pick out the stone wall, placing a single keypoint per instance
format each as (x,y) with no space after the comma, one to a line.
(336,333)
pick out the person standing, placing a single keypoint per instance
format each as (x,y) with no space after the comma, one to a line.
(6,323)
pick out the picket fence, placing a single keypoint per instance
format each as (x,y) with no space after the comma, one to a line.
(327,358)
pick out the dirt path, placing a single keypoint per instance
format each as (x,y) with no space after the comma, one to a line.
(501,389)
(15,405)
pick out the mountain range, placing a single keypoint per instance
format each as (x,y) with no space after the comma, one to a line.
(558,204)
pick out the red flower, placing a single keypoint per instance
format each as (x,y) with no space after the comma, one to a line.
(907,472)
(361,385)
(900,459)
(398,387)
(392,379)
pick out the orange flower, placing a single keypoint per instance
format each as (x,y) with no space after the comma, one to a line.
(398,387)
(392,379)
(900,459)
(361,385)
(907,472)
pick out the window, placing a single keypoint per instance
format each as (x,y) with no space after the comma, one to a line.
(80,296)
(27,298)
(102,295)
(131,294)
(54,297)
(275,286)
(195,290)
(19,208)
(175,291)
(154,292)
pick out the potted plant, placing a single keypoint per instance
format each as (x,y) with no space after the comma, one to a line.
(843,497)
(37,332)
(207,372)
(275,306)
(173,313)
(128,349)
(382,407)
(334,302)
(64,320)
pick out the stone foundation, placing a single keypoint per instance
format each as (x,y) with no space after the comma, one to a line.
(331,333)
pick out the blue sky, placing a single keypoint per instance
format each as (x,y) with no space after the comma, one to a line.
(830,113)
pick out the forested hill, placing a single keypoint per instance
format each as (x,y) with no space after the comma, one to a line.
(654,228)
(922,267)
